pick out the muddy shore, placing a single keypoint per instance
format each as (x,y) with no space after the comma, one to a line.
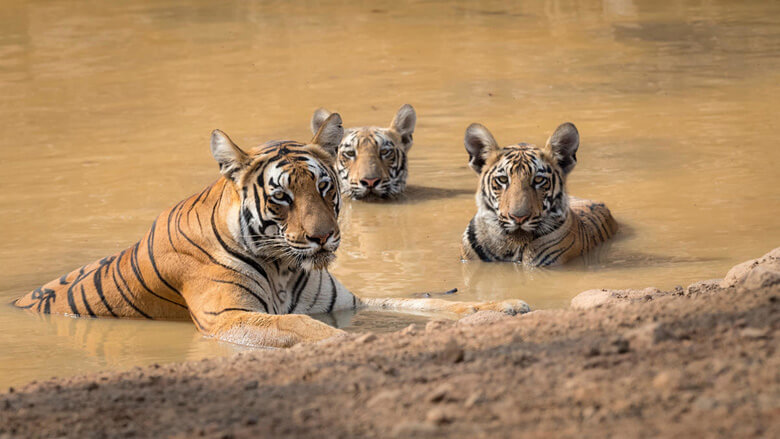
(700,361)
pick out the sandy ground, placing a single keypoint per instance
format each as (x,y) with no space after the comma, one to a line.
(700,361)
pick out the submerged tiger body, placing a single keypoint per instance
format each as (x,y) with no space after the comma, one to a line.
(524,213)
(372,161)
(245,259)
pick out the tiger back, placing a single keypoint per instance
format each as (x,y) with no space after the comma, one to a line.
(257,241)
(372,161)
(523,211)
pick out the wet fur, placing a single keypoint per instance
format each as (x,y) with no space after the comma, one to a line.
(530,183)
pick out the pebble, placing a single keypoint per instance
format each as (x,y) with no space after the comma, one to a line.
(754,333)
(366,338)
(441,393)
(452,352)
(438,416)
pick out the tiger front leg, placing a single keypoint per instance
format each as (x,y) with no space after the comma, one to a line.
(239,316)
(258,329)
(511,307)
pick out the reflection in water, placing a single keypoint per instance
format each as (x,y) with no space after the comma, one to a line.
(108,107)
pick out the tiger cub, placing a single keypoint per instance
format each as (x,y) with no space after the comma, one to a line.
(245,259)
(372,161)
(523,211)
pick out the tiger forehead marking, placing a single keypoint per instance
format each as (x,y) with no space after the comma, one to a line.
(290,198)
(371,162)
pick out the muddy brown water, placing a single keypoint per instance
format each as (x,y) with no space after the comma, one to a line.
(107,108)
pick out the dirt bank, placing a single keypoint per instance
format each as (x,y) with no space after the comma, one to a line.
(694,362)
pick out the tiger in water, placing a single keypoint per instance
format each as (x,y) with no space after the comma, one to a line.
(245,259)
(523,211)
(372,161)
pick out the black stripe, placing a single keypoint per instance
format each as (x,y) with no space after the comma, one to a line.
(139,276)
(197,323)
(252,263)
(333,294)
(259,299)
(212,313)
(121,293)
(63,279)
(150,250)
(472,238)
(99,288)
(170,215)
(86,304)
(296,290)
(316,295)
(71,300)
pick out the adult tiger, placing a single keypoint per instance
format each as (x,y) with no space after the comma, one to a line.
(244,259)
(523,211)
(372,161)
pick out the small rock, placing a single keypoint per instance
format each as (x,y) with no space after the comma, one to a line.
(385,397)
(436,325)
(620,345)
(762,276)
(705,403)
(595,298)
(452,352)
(366,338)
(438,416)
(475,398)
(704,286)
(412,429)
(754,333)
(650,334)
(483,318)
(92,386)
(667,381)
(410,330)
(441,393)
(251,385)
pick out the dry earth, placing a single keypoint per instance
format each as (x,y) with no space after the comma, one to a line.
(695,362)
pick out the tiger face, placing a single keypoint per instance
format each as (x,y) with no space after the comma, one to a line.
(523,187)
(372,161)
(288,199)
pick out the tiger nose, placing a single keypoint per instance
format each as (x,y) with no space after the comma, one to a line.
(369,182)
(319,239)
(519,219)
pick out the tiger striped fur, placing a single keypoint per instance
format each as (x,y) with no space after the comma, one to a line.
(372,161)
(523,211)
(245,259)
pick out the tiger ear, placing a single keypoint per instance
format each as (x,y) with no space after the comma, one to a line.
(329,134)
(403,122)
(480,144)
(563,144)
(318,118)
(230,157)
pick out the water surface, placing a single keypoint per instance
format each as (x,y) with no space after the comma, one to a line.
(107,109)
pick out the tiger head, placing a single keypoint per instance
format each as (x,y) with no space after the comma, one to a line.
(522,187)
(371,161)
(287,200)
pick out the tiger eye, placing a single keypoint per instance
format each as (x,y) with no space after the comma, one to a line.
(323,185)
(279,195)
(539,180)
(501,179)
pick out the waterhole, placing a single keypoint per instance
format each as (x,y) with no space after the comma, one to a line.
(107,108)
